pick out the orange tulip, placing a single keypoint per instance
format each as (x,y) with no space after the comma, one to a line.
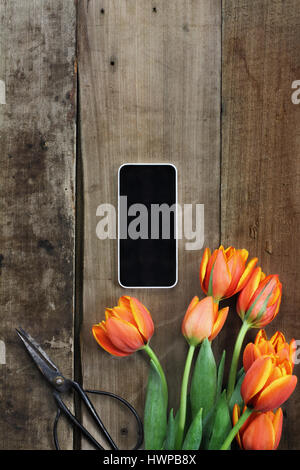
(126,329)
(224,272)
(203,320)
(268,365)
(276,346)
(259,301)
(261,431)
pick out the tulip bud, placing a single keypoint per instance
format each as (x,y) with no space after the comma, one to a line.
(203,320)
(127,327)
(224,272)
(259,300)
(261,431)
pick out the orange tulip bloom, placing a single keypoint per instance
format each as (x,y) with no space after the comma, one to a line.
(224,272)
(276,346)
(269,365)
(203,320)
(261,431)
(126,329)
(259,301)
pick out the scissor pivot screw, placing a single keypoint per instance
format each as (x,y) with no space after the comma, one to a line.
(59,380)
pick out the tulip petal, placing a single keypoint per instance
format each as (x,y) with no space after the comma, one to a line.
(251,353)
(243,254)
(235,417)
(261,336)
(221,276)
(124,301)
(283,355)
(267,316)
(124,335)
(219,323)
(100,335)
(229,252)
(259,435)
(248,291)
(261,299)
(235,414)
(124,314)
(256,378)
(266,348)
(193,303)
(276,393)
(209,267)
(198,323)
(277,340)
(246,274)
(237,268)
(275,374)
(277,425)
(203,266)
(292,350)
(142,318)
(247,422)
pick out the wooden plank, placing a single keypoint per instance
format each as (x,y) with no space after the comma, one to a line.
(149,92)
(37,210)
(260,147)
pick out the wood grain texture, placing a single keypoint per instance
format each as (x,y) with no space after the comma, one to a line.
(260,155)
(149,77)
(37,210)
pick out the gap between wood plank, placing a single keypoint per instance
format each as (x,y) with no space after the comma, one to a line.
(79,237)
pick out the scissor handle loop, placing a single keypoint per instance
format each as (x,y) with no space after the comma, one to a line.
(63,408)
(140,430)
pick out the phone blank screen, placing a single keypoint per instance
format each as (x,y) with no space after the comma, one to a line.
(147,225)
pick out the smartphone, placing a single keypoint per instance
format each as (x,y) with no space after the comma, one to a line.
(147,225)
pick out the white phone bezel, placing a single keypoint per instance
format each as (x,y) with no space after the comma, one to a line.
(176,227)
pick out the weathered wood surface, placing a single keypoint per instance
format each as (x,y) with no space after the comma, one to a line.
(37,41)
(150,91)
(149,77)
(260,155)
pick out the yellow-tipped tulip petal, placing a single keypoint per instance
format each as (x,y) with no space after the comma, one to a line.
(276,393)
(100,335)
(219,323)
(277,425)
(256,378)
(260,434)
(124,335)
(142,318)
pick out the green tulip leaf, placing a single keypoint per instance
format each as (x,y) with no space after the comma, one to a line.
(171,432)
(193,437)
(220,375)
(207,426)
(236,397)
(155,414)
(222,424)
(204,381)
(240,373)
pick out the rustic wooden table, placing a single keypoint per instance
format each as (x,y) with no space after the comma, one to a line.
(88,85)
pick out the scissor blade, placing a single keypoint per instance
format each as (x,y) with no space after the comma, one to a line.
(39,356)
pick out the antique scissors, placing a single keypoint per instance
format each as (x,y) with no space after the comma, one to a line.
(62,385)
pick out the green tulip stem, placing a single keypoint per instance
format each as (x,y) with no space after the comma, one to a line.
(236,429)
(183,398)
(235,359)
(155,359)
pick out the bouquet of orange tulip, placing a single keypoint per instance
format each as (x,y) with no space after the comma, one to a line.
(248,409)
